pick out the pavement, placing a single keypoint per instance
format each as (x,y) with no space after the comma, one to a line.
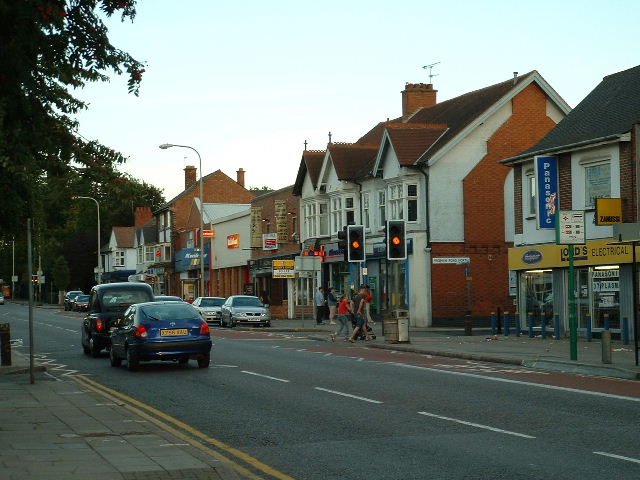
(62,429)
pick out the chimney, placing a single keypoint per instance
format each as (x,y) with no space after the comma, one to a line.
(189,176)
(240,176)
(142,216)
(417,95)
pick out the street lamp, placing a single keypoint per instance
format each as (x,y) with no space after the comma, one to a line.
(75,197)
(164,146)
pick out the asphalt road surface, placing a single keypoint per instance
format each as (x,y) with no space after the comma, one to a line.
(289,407)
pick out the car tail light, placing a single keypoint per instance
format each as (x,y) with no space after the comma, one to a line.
(99,325)
(204,328)
(141,332)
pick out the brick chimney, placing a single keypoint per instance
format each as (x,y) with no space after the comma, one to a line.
(240,176)
(417,95)
(189,176)
(142,216)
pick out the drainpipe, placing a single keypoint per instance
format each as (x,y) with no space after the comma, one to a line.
(424,169)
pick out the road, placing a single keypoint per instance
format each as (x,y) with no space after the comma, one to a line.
(307,409)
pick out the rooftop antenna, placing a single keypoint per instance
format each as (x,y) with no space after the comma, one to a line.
(430,67)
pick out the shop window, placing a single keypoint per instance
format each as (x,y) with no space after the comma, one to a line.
(598,296)
(537,296)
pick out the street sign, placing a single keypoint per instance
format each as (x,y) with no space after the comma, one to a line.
(451,260)
(283,268)
(571,227)
(14,278)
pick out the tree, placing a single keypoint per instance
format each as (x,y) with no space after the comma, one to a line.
(48,47)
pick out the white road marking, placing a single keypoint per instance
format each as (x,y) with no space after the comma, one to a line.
(265,376)
(619,457)
(520,382)
(225,366)
(364,399)
(477,425)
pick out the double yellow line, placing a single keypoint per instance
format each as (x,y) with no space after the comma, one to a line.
(178,428)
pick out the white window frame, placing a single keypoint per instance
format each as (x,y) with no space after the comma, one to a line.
(382,208)
(411,200)
(398,200)
(350,211)
(316,219)
(140,254)
(336,214)
(530,194)
(149,253)
(119,257)
(366,218)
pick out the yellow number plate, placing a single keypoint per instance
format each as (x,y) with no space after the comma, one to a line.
(174,332)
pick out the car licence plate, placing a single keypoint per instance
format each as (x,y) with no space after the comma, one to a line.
(173,332)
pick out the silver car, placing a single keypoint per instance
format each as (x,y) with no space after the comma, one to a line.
(244,309)
(209,308)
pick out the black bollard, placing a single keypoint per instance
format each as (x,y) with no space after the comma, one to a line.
(5,343)
(468,326)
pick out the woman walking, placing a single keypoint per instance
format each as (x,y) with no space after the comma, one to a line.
(343,317)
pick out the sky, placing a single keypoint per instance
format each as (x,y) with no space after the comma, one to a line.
(247,83)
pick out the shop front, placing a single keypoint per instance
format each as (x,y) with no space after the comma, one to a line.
(602,278)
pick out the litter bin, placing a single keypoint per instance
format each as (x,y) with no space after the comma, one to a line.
(396,328)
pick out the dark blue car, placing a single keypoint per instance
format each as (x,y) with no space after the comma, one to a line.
(170,331)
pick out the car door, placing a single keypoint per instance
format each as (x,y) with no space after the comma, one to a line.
(120,330)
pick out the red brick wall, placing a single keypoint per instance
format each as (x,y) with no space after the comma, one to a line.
(564,174)
(484,217)
(627,180)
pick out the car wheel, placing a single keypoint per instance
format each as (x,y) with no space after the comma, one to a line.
(115,361)
(132,361)
(204,360)
(94,350)
(85,347)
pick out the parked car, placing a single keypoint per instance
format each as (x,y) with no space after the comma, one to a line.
(70,296)
(81,303)
(160,331)
(1,299)
(210,308)
(108,302)
(167,298)
(244,309)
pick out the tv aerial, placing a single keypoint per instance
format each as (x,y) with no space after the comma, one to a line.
(430,67)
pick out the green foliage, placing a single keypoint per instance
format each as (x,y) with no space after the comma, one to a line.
(48,47)
(60,273)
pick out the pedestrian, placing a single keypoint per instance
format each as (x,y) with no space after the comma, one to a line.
(343,316)
(320,303)
(368,298)
(332,303)
(264,298)
(358,310)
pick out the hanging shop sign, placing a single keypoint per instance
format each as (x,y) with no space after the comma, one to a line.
(547,191)
(284,268)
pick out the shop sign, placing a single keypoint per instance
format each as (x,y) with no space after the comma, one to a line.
(547,191)
(608,211)
(233,240)
(284,268)
(269,241)
(531,257)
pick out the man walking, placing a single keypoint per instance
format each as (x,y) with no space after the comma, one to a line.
(358,310)
(320,303)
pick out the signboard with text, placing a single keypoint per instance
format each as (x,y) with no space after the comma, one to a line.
(570,227)
(547,191)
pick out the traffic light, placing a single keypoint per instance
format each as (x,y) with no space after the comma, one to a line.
(355,246)
(396,241)
(342,243)
(34,279)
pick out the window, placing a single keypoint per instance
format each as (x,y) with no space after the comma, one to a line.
(336,214)
(118,258)
(149,253)
(323,219)
(365,211)
(310,220)
(597,183)
(350,214)
(167,253)
(140,254)
(316,219)
(190,239)
(382,215)
(412,202)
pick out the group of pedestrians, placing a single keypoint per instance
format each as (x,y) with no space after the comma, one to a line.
(342,310)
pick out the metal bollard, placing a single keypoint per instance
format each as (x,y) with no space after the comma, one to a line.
(494,323)
(606,321)
(516,327)
(543,324)
(468,326)
(625,330)
(530,324)
(589,332)
(507,324)
(606,346)
(5,344)
(556,326)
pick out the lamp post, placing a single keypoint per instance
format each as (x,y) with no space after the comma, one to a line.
(75,197)
(164,146)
